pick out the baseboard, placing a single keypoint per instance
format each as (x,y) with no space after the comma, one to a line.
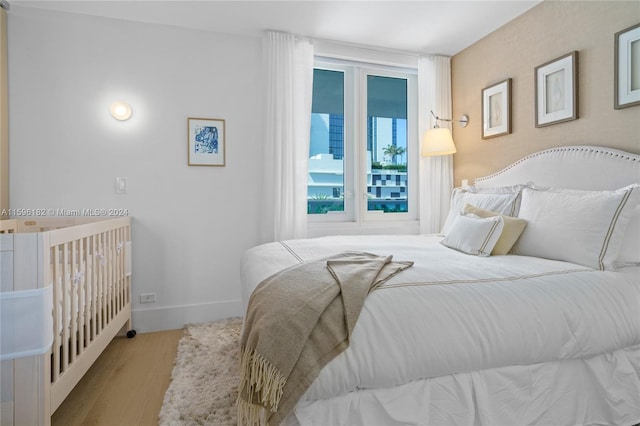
(174,317)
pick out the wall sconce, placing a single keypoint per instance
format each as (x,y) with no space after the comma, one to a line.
(438,141)
(121,111)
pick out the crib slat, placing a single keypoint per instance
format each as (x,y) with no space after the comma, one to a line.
(93,285)
(82,296)
(110,275)
(125,278)
(86,311)
(116,294)
(66,284)
(107,254)
(120,272)
(100,282)
(86,278)
(73,317)
(86,283)
(57,314)
(77,281)
(105,290)
(127,288)
(114,279)
(109,282)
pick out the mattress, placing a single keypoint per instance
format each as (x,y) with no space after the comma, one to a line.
(471,340)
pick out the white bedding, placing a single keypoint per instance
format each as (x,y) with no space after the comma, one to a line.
(469,340)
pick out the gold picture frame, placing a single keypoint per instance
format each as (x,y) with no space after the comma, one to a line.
(206,141)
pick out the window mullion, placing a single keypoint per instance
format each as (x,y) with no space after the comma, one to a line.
(351,135)
(361,144)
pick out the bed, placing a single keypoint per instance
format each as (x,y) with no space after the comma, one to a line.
(66,292)
(548,334)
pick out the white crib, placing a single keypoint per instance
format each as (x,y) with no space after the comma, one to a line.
(88,266)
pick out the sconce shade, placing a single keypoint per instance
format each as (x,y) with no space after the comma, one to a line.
(121,111)
(437,141)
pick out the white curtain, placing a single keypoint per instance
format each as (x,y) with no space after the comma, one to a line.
(288,69)
(436,173)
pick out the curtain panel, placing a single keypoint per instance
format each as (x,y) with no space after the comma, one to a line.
(288,70)
(436,173)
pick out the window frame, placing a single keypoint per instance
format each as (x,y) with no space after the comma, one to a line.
(412,146)
(349,170)
(356,211)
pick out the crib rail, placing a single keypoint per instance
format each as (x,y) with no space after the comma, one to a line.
(91,277)
(8,226)
(43,224)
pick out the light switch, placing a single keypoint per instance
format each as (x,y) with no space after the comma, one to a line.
(121,185)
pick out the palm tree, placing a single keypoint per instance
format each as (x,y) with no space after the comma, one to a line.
(393,151)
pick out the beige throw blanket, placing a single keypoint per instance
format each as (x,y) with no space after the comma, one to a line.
(297,321)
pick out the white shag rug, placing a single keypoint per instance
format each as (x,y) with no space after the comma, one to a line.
(204,380)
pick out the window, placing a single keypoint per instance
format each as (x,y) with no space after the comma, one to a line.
(325,187)
(363,149)
(386,144)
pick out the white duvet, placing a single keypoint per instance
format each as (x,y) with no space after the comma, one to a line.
(428,332)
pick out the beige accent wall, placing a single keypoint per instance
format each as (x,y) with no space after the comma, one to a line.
(4,117)
(545,32)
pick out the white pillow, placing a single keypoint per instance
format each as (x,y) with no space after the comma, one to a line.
(474,235)
(630,249)
(512,230)
(502,200)
(583,227)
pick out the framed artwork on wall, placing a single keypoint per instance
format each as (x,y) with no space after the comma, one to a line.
(627,68)
(206,141)
(496,110)
(557,90)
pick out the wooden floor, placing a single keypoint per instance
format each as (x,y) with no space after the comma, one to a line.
(125,386)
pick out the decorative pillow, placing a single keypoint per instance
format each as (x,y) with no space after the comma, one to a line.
(583,227)
(503,200)
(474,235)
(513,227)
(630,249)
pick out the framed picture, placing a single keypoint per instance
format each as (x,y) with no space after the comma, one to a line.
(206,142)
(557,90)
(627,68)
(496,110)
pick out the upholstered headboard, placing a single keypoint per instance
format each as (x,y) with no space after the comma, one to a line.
(573,167)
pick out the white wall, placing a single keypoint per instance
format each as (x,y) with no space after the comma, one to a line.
(190,224)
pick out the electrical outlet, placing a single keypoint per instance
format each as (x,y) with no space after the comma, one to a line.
(148,298)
